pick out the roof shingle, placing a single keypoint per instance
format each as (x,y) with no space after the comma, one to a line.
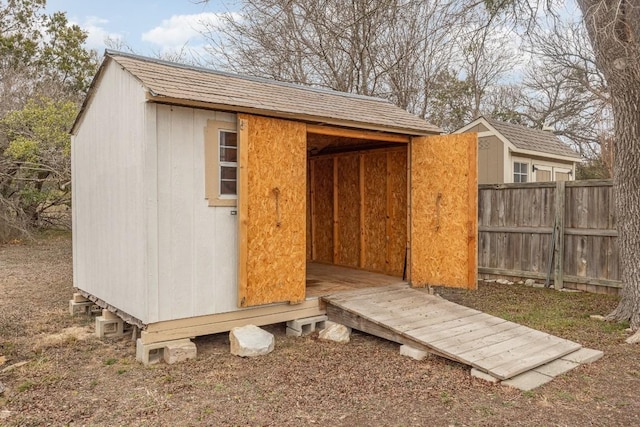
(533,139)
(180,82)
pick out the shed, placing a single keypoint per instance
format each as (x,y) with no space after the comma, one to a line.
(205,200)
(509,153)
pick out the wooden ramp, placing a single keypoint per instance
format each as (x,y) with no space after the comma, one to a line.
(409,316)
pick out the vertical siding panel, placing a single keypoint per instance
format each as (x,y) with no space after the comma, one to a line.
(151,196)
(109,196)
(197,243)
(165,267)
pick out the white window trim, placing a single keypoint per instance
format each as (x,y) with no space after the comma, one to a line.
(222,164)
(513,169)
(212,163)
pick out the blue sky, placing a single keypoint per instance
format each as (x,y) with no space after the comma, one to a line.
(147,26)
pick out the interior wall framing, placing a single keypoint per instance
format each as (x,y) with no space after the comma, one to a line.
(358,209)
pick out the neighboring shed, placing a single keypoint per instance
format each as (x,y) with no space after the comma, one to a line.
(201,200)
(510,153)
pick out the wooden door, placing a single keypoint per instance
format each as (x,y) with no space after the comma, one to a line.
(443,211)
(272,211)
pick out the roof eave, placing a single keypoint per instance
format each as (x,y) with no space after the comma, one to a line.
(545,154)
(410,131)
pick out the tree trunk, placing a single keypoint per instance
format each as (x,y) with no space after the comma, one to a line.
(614,31)
(627,197)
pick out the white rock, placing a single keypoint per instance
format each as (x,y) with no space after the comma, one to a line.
(250,341)
(529,282)
(504,282)
(633,339)
(336,332)
(414,353)
(596,317)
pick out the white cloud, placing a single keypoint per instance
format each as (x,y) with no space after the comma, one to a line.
(97,34)
(179,30)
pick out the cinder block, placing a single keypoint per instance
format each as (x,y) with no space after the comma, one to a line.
(153,353)
(79,307)
(414,353)
(483,376)
(175,352)
(109,328)
(305,326)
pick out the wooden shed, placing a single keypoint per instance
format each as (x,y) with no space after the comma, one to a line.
(205,200)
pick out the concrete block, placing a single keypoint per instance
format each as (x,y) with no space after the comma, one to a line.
(109,328)
(153,353)
(79,307)
(557,367)
(584,355)
(175,352)
(107,315)
(306,326)
(79,298)
(251,341)
(414,353)
(483,376)
(527,381)
(336,332)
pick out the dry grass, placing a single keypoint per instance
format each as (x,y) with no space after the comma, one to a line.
(72,379)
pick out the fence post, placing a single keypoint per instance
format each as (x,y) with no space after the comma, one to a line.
(558,276)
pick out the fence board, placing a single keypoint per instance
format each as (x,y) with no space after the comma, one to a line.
(515,224)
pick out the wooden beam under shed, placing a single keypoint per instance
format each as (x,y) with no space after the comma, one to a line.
(358,134)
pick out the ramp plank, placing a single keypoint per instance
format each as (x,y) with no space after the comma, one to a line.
(410,316)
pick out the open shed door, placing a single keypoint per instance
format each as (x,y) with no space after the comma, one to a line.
(444,206)
(272,180)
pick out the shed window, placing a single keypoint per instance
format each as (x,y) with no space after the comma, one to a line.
(221,163)
(520,172)
(228,163)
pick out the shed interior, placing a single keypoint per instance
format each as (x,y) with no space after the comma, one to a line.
(356,206)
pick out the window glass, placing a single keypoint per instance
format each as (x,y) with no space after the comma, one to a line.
(228,143)
(520,172)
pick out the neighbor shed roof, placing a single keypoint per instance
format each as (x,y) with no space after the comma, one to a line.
(533,139)
(187,85)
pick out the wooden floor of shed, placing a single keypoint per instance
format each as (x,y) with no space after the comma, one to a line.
(325,279)
(409,316)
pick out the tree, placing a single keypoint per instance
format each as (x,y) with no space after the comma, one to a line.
(38,156)
(614,30)
(396,49)
(564,89)
(44,74)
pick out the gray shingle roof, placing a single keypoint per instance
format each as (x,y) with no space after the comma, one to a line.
(242,93)
(533,139)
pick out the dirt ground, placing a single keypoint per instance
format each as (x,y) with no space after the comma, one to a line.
(72,378)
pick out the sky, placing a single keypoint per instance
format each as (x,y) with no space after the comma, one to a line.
(149,27)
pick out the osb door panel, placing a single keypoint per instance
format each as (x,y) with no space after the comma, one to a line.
(444,203)
(271,208)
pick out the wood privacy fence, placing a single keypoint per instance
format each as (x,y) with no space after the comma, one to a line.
(561,232)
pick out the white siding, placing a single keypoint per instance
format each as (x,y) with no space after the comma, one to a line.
(109,227)
(197,244)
